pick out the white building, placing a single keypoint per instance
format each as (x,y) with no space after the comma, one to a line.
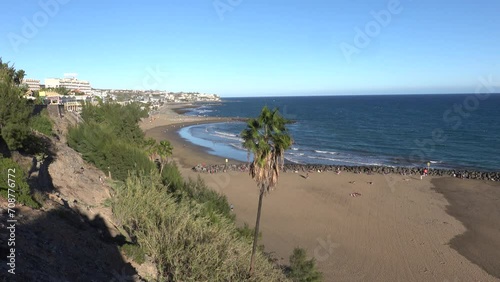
(33,84)
(71,83)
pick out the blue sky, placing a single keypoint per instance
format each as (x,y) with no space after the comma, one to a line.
(252,48)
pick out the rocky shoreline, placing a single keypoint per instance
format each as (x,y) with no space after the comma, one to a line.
(458,173)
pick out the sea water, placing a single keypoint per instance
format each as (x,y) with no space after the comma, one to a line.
(446,130)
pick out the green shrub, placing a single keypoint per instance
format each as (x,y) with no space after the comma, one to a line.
(212,203)
(245,232)
(301,269)
(42,123)
(14,113)
(22,190)
(122,121)
(172,178)
(134,252)
(99,146)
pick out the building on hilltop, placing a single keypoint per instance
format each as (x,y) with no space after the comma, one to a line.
(33,84)
(70,83)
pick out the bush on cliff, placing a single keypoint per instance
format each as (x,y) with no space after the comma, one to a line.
(98,145)
(41,123)
(109,137)
(184,244)
(22,192)
(213,204)
(121,121)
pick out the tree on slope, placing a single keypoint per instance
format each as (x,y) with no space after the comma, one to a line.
(267,138)
(164,150)
(14,110)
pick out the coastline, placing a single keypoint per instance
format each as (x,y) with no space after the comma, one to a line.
(171,118)
(168,120)
(417,224)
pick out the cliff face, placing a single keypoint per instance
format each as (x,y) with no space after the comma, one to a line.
(73,237)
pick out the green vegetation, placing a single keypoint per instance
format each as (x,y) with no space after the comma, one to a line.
(213,204)
(16,117)
(42,123)
(17,180)
(267,138)
(159,152)
(301,269)
(58,90)
(122,121)
(14,110)
(110,138)
(135,252)
(183,242)
(99,146)
(171,177)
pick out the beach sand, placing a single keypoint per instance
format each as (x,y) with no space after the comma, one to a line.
(401,228)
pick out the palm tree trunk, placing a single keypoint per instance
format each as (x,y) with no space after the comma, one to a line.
(256,233)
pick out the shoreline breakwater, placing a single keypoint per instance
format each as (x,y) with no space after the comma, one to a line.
(458,173)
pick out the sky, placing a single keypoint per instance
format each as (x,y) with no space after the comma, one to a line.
(258,47)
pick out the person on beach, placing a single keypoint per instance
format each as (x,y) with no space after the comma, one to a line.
(424,173)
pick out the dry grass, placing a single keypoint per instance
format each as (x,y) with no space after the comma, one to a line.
(184,243)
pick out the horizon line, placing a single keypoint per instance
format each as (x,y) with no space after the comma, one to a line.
(375,94)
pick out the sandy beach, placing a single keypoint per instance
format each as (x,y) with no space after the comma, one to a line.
(399,228)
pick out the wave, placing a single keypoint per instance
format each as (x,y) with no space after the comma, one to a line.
(326,159)
(347,161)
(325,152)
(294,160)
(203,112)
(296,154)
(295,148)
(228,136)
(237,146)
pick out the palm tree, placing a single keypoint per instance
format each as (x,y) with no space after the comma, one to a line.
(150,147)
(164,150)
(19,76)
(267,138)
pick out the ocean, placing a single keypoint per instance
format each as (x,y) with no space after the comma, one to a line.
(452,131)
